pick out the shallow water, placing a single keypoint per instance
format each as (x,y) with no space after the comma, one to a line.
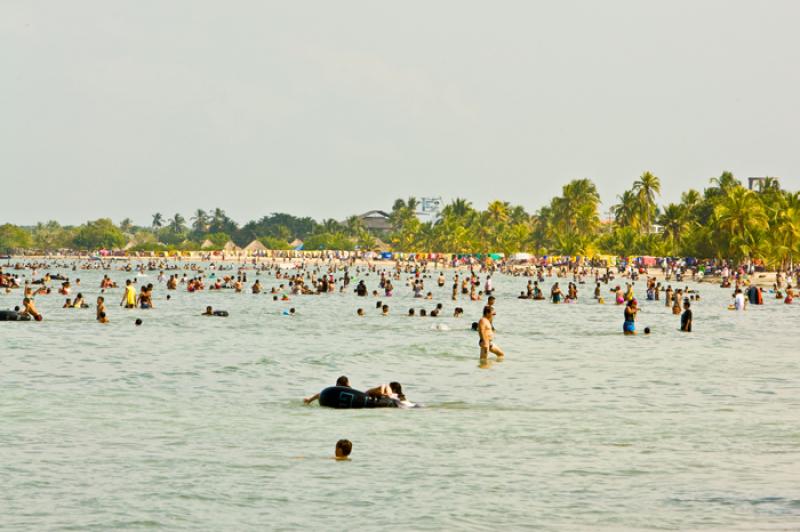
(198,423)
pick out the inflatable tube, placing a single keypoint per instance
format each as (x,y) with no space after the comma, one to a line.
(221,313)
(12,315)
(344,397)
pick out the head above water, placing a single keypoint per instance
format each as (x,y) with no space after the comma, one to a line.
(343,448)
(343,381)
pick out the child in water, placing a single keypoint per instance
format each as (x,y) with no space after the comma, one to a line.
(343,450)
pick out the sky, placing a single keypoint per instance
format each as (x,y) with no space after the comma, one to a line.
(326,109)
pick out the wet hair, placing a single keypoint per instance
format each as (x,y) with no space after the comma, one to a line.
(378,304)
(474,325)
(343,381)
(487,310)
(138,321)
(345,447)
(423,312)
(411,312)
(396,388)
(647,330)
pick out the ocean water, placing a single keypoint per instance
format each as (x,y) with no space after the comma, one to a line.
(195,423)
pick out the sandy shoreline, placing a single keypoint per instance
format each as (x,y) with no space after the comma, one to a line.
(762,279)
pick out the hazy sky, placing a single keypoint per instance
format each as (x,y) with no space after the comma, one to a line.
(330,108)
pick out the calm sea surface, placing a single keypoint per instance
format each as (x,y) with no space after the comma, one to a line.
(198,423)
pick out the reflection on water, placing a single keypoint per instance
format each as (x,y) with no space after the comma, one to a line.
(190,422)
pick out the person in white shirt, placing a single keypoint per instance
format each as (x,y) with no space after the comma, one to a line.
(739,302)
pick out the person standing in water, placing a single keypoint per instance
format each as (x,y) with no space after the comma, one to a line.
(129,296)
(486,333)
(686,317)
(629,327)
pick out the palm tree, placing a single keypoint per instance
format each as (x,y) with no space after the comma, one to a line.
(158,220)
(354,226)
(787,226)
(458,208)
(739,216)
(725,181)
(646,188)
(497,212)
(675,221)
(178,223)
(200,221)
(626,212)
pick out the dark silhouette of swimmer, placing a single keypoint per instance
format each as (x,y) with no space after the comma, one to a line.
(341,381)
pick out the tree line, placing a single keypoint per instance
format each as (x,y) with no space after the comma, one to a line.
(725,220)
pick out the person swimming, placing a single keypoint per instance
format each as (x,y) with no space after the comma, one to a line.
(343,450)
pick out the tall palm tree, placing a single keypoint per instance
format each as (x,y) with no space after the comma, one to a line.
(691,199)
(497,212)
(675,221)
(158,220)
(200,221)
(725,181)
(459,208)
(177,223)
(626,212)
(646,188)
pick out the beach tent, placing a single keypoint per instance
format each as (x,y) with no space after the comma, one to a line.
(521,256)
(255,247)
(230,247)
(207,244)
(296,244)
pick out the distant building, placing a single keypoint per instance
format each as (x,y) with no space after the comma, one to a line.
(753,181)
(376,221)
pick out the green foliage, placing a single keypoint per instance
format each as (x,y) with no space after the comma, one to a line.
(14,237)
(98,234)
(725,220)
(274,243)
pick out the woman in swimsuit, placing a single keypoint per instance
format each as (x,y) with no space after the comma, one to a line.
(629,326)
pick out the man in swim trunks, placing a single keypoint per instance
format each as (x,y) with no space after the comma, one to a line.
(486,333)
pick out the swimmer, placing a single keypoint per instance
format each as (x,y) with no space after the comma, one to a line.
(101,307)
(342,381)
(29,309)
(385,310)
(138,322)
(209,312)
(360,312)
(343,450)
(411,313)
(486,333)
